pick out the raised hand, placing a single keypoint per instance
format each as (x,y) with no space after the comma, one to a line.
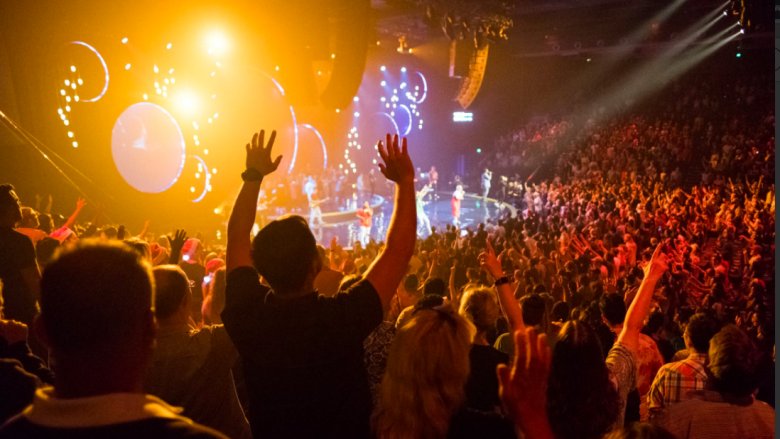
(80,203)
(523,388)
(258,154)
(659,263)
(397,165)
(177,241)
(489,262)
(12,331)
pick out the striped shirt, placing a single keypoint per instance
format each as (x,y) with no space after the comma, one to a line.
(674,381)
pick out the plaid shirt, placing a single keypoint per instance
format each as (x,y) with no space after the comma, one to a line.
(674,381)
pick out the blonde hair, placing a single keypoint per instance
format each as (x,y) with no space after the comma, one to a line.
(480,307)
(427,369)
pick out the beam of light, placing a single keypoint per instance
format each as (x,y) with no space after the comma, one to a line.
(411,120)
(207,180)
(709,47)
(392,121)
(322,143)
(699,28)
(295,142)
(105,70)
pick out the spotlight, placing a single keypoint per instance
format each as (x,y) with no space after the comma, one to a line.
(217,43)
(403,69)
(124,40)
(383,83)
(75,144)
(186,101)
(742,31)
(738,55)
(128,66)
(169,46)
(725,13)
(355,99)
(383,68)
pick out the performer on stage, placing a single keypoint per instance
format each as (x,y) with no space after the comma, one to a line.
(315,214)
(457,197)
(423,222)
(365,214)
(433,178)
(487,177)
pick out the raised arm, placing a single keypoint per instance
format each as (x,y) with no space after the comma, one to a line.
(80,203)
(506,297)
(242,217)
(640,307)
(387,270)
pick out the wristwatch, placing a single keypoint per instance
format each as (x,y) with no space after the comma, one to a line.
(251,174)
(501,281)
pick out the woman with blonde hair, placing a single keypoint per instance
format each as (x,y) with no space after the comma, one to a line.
(480,307)
(423,390)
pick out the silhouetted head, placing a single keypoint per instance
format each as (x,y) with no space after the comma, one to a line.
(285,254)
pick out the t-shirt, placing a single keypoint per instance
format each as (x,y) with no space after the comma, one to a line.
(16,254)
(192,369)
(302,357)
(622,373)
(710,415)
(482,385)
(109,416)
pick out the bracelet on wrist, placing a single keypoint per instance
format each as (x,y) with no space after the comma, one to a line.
(501,281)
(252,174)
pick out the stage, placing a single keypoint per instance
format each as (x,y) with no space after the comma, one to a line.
(343,224)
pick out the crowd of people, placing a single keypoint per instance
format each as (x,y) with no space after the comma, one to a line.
(625,299)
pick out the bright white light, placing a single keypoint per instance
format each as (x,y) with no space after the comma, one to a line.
(356,114)
(217,43)
(70,134)
(383,68)
(355,99)
(67,83)
(187,102)
(742,31)
(462,116)
(403,69)
(383,83)
(73,69)
(128,66)
(75,144)
(124,40)
(169,46)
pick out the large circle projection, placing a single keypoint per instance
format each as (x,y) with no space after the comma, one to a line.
(148,147)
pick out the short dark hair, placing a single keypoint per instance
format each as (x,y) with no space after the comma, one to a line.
(613,308)
(171,287)
(560,312)
(533,309)
(434,286)
(411,283)
(701,328)
(95,297)
(733,362)
(284,252)
(6,200)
